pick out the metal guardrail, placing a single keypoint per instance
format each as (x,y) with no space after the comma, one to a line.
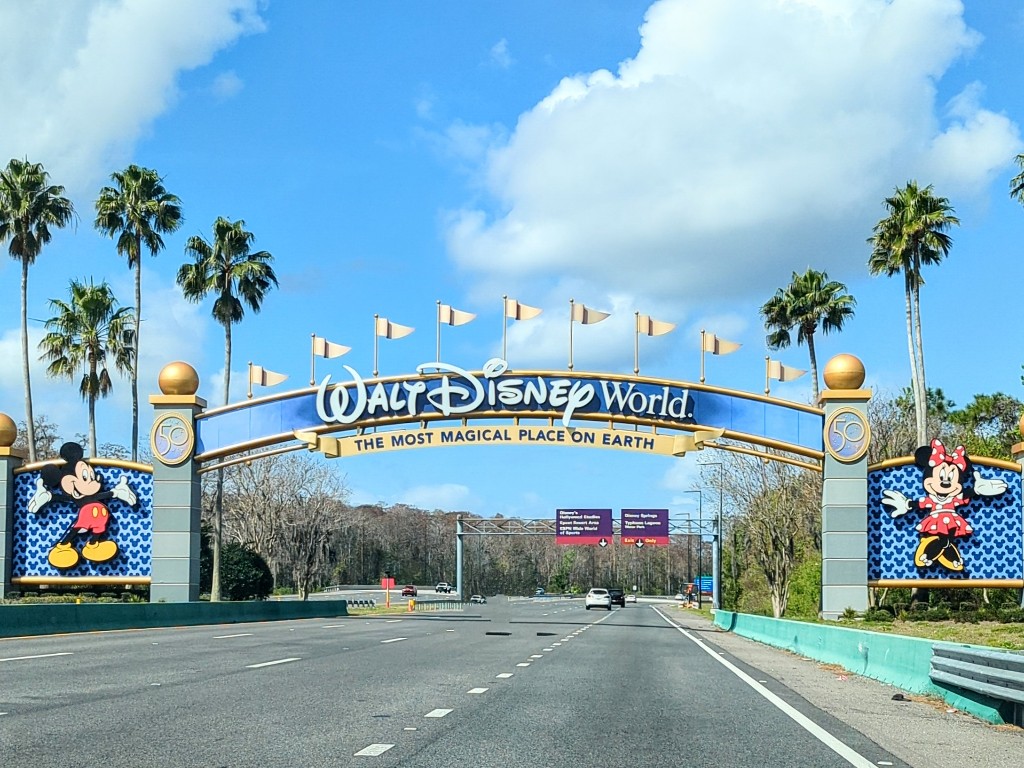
(998,675)
(439,605)
(360,603)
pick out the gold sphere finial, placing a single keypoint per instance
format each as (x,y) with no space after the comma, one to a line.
(844,372)
(8,431)
(178,378)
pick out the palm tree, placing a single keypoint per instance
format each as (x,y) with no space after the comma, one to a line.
(83,333)
(137,210)
(1017,182)
(29,206)
(228,269)
(911,236)
(810,301)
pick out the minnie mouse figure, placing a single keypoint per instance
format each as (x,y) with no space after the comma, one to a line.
(944,476)
(75,481)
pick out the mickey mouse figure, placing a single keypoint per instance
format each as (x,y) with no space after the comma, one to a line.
(944,476)
(76,482)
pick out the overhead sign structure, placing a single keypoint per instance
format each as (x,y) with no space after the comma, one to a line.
(583,526)
(644,527)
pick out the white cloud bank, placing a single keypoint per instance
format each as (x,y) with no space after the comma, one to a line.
(746,139)
(83,81)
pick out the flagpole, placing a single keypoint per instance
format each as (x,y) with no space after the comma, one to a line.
(438,358)
(375,337)
(571,302)
(701,355)
(312,359)
(636,345)
(767,371)
(250,380)
(504,326)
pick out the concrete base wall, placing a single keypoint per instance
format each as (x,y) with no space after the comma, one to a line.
(42,619)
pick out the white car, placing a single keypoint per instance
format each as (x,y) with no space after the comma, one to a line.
(598,598)
(630,598)
(478,599)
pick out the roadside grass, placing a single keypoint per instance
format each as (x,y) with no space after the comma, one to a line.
(990,633)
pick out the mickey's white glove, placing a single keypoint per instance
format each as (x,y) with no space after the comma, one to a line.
(900,504)
(123,492)
(986,486)
(40,498)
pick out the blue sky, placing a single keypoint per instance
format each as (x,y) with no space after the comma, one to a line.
(679,158)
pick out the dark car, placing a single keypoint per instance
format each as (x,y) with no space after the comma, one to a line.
(618,597)
(408,591)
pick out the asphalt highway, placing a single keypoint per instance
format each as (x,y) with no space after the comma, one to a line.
(503,684)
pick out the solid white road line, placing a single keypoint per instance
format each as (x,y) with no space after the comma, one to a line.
(471,690)
(393,640)
(225,637)
(271,663)
(851,756)
(374,750)
(38,656)
(437,713)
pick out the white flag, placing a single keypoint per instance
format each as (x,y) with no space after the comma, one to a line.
(581,314)
(717,346)
(326,348)
(265,378)
(777,370)
(517,311)
(653,327)
(446,315)
(390,330)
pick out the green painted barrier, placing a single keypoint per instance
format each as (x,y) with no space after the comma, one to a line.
(894,659)
(50,619)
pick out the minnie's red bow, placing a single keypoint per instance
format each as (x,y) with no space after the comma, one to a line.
(939,456)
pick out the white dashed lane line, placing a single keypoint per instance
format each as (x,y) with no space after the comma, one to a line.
(437,713)
(38,656)
(505,675)
(226,637)
(523,664)
(393,640)
(374,750)
(271,663)
(471,690)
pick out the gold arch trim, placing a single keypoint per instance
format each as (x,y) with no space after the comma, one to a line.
(116,463)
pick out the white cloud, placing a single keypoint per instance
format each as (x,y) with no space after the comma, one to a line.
(500,55)
(745,137)
(447,496)
(92,76)
(227,84)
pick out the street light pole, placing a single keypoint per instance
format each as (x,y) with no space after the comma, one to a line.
(717,550)
(700,542)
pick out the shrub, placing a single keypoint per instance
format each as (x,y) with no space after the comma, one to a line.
(245,575)
(1011,615)
(849,614)
(878,614)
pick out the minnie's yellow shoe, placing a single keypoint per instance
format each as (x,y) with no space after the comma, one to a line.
(919,558)
(950,557)
(99,551)
(63,556)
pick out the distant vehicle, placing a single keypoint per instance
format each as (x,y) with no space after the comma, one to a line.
(679,596)
(538,592)
(630,598)
(409,591)
(478,599)
(618,597)
(444,587)
(598,598)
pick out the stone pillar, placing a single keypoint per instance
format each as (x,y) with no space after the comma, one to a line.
(10,459)
(844,497)
(177,500)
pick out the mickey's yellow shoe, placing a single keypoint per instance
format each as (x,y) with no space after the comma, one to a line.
(99,551)
(63,556)
(919,558)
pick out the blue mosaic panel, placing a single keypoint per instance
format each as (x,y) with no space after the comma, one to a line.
(130,527)
(995,550)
